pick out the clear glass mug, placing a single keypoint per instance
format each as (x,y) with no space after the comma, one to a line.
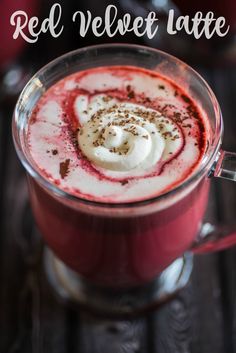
(124,258)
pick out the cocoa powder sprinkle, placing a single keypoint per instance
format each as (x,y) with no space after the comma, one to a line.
(124,182)
(185,98)
(64,168)
(131,95)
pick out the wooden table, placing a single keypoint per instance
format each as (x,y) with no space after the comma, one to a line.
(201,319)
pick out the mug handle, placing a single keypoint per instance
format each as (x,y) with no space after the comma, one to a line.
(214,238)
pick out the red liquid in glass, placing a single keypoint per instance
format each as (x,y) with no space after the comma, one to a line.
(118,251)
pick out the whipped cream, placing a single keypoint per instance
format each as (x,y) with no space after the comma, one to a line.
(128,136)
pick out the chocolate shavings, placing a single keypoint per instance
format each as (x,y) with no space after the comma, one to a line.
(64,168)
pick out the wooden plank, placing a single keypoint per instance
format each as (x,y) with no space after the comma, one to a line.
(170,327)
(4,273)
(226,190)
(97,335)
(231,195)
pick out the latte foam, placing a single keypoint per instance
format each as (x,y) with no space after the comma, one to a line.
(116,134)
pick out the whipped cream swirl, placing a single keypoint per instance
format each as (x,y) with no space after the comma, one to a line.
(126,136)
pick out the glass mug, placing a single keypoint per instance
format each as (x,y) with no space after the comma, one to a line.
(124,258)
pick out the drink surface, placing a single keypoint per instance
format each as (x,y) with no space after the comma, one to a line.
(117,134)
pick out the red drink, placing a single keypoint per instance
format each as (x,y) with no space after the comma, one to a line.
(118,137)
(116,251)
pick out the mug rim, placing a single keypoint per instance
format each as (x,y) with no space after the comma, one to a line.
(206,165)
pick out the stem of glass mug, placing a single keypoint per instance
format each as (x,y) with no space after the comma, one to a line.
(226,166)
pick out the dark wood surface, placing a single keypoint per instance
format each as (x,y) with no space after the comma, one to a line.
(201,319)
